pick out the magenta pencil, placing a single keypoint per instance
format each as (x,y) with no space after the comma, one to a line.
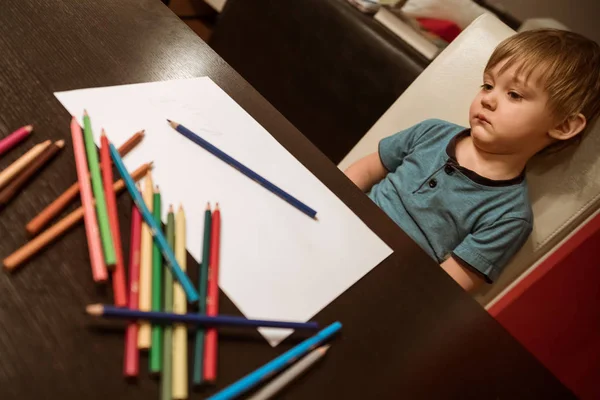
(131,360)
(15,138)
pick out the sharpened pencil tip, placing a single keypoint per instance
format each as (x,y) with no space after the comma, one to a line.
(28,128)
(170,208)
(208,206)
(323,349)
(60,144)
(156,189)
(85,112)
(168,120)
(216,206)
(94,309)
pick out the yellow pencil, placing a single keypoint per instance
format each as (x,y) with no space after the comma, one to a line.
(180,353)
(145,288)
(13,169)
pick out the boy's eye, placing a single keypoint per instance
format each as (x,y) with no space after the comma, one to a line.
(487,87)
(515,95)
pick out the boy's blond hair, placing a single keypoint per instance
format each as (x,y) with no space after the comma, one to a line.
(569,65)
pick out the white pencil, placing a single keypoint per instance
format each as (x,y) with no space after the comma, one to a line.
(290,374)
(145,280)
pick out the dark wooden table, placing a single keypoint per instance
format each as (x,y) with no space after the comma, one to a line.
(409,331)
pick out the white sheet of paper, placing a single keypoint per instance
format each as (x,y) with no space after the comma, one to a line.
(276,262)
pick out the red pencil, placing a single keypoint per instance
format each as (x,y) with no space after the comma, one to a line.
(118,274)
(131,361)
(14,138)
(212,301)
(87,202)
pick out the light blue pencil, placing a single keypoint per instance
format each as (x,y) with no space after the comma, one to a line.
(276,365)
(159,237)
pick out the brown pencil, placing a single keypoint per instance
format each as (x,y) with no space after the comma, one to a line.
(13,188)
(38,223)
(62,226)
(13,170)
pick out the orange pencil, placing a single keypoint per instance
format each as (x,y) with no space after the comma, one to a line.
(131,361)
(212,301)
(99,272)
(118,275)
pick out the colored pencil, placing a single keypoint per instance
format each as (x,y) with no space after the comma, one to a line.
(118,274)
(243,169)
(276,365)
(131,361)
(166,383)
(198,373)
(180,353)
(99,272)
(156,342)
(29,172)
(145,331)
(53,209)
(102,213)
(159,237)
(212,298)
(108,311)
(290,374)
(31,248)
(14,138)
(13,169)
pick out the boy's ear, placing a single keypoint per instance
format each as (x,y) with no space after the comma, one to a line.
(569,128)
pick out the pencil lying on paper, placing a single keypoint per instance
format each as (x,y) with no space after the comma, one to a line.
(157,271)
(198,373)
(15,138)
(180,353)
(99,273)
(41,220)
(27,174)
(101,213)
(276,365)
(31,248)
(293,372)
(212,299)
(118,274)
(166,385)
(159,237)
(16,167)
(131,359)
(108,311)
(243,169)
(144,331)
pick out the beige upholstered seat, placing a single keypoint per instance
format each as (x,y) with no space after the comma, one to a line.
(564,190)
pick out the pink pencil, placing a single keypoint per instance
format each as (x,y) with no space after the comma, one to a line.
(131,361)
(14,138)
(87,201)
(118,275)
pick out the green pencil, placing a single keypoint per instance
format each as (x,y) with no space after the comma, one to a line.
(202,282)
(166,390)
(157,271)
(98,189)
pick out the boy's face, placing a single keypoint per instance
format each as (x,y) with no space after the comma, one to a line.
(510,115)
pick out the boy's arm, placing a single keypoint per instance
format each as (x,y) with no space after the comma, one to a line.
(366,172)
(467,279)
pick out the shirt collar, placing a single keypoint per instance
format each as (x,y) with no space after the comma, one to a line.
(472,175)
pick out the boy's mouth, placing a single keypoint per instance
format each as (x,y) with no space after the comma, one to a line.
(482,118)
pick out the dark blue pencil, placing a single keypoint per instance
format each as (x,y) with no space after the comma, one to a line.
(243,169)
(100,310)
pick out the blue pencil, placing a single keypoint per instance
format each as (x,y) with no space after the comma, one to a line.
(276,365)
(159,237)
(100,310)
(243,169)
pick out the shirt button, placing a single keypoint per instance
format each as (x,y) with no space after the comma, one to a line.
(448,169)
(432,183)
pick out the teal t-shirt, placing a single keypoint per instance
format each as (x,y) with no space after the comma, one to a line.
(448,209)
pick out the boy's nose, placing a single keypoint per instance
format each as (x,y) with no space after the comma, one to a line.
(488,101)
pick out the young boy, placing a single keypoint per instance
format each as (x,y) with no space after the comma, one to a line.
(460,193)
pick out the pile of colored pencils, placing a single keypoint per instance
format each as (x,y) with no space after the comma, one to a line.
(155,301)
